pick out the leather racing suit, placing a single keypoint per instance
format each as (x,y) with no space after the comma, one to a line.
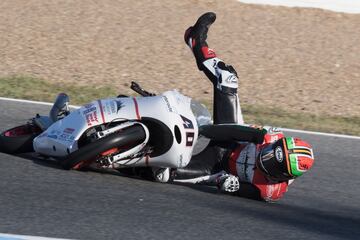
(224,163)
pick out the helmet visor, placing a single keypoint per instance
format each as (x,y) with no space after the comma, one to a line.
(273,160)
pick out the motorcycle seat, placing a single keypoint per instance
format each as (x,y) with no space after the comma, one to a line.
(233,133)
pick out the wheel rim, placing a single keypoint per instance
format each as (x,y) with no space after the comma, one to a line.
(85,163)
(82,164)
(109,152)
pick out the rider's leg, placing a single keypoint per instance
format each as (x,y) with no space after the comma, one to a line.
(224,77)
(206,163)
(207,168)
(209,162)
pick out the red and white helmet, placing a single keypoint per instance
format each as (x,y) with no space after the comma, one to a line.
(286,159)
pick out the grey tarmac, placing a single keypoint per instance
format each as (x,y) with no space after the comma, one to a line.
(39,198)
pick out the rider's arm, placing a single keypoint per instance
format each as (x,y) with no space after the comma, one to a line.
(269,191)
(224,181)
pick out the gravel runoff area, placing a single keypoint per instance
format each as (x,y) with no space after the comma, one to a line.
(304,60)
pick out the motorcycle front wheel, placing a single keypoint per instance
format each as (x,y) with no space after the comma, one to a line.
(104,146)
(19,139)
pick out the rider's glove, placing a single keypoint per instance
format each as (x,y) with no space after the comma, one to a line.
(259,127)
(228,183)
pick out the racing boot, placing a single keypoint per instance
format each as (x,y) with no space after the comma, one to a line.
(161,175)
(195,37)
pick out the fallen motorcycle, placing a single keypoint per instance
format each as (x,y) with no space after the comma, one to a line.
(151,130)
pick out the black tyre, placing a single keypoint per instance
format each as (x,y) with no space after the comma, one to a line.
(19,139)
(90,152)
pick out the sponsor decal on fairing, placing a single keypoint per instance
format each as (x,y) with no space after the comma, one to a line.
(187,122)
(119,105)
(90,114)
(91,118)
(189,139)
(109,107)
(54,134)
(69,130)
(88,110)
(167,103)
(66,135)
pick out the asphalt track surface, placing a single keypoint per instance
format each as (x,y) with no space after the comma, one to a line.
(38,198)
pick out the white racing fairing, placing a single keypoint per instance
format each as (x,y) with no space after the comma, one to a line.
(171,108)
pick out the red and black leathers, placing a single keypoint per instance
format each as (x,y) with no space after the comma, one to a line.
(238,159)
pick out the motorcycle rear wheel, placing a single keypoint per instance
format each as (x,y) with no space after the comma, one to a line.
(19,139)
(92,151)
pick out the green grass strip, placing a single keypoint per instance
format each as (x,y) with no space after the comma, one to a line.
(36,89)
(286,119)
(30,88)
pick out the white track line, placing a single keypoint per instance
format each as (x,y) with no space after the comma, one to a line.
(320,133)
(346,6)
(282,129)
(4,236)
(33,102)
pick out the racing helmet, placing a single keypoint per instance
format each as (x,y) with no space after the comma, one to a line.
(286,159)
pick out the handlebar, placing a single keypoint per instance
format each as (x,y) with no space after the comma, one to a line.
(136,87)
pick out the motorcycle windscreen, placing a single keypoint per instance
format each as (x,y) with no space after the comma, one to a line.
(201,113)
